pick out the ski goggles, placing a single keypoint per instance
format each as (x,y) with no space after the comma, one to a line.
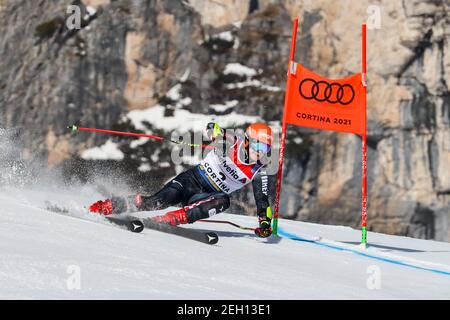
(259,146)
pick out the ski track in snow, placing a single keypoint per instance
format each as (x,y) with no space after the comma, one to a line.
(38,248)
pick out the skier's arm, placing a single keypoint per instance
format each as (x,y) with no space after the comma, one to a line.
(222,139)
(260,191)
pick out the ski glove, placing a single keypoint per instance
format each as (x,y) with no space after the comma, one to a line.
(102,207)
(213,131)
(264,229)
(116,205)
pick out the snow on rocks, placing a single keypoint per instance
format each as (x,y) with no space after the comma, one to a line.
(247,72)
(138,142)
(252,83)
(225,36)
(183,120)
(144,167)
(239,69)
(224,107)
(108,151)
(174,94)
(91,10)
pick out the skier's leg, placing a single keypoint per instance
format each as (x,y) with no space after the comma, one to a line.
(202,206)
(171,194)
(199,206)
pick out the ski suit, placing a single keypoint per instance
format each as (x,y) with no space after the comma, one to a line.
(204,190)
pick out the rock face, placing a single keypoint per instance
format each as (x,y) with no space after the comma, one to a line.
(129,55)
(56,76)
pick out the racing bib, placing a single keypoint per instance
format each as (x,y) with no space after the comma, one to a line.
(227,174)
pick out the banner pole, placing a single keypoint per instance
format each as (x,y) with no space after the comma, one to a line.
(364,144)
(283,130)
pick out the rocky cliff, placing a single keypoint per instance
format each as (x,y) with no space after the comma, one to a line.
(226,60)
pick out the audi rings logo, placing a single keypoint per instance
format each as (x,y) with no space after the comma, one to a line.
(323,91)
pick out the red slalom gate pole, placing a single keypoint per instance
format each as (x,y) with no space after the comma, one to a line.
(364,143)
(75,129)
(283,130)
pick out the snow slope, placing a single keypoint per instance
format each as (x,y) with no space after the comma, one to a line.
(40,249)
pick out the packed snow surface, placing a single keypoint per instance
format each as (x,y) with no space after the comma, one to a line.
(76,255)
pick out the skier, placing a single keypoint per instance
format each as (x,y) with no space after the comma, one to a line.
(204,190)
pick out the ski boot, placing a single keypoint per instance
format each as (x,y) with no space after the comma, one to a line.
(173,218)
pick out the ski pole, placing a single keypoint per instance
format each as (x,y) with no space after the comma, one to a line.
(75,128)
(228,222)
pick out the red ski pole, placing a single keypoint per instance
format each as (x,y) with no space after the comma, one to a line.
(228,222)
(75,128)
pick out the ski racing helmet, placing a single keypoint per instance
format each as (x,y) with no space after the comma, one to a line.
(259,137)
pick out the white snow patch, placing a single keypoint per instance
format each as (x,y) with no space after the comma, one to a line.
(91,10)
(138,142)
(144,167)
(183,120)
(225,36)
(185,75)
(252,83)
(224,107)
(155,155)
(239,69)
(164,164)
(237,24)
(174,92)
(236,43)
(108,151)
(186,101)
(298,140)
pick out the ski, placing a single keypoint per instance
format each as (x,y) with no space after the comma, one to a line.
(197,235)
(132,224)
(137,225)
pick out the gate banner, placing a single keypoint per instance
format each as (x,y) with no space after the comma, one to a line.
(321,103)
